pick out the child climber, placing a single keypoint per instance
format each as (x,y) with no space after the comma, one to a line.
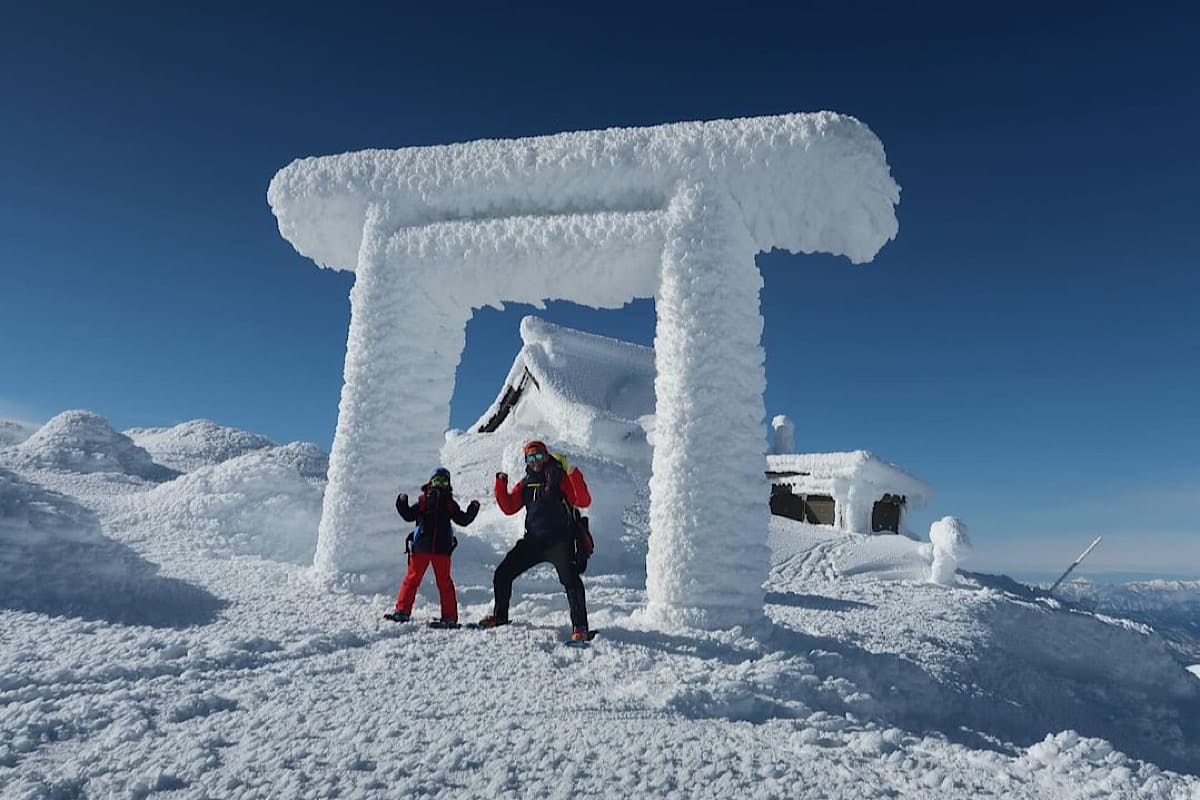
(431,545)
(549,534)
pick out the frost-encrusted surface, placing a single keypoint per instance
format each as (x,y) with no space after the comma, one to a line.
(13,432)
(56,560)
(804,182)
(590,390)
(870,682)
(197,443)
(261,503)
(82,441)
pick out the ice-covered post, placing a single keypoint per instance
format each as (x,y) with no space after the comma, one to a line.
(398,378)
(675,212)
(707,560)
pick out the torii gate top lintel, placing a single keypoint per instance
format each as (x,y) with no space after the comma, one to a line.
(804,182)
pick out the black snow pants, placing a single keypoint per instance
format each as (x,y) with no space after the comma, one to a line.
(529,552)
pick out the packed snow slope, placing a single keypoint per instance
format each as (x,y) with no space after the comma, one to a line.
(232,674)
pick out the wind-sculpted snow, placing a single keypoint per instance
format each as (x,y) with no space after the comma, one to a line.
(197,443)
(13,432)
(866,681)
(82,441)
(263,503)
(54,559)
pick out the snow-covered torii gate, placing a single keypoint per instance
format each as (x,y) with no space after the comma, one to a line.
(673,212)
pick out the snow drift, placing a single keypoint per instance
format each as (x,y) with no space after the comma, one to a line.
(265,503)
(55,559)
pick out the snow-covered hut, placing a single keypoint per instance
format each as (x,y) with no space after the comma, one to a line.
(591,391)
(853,492)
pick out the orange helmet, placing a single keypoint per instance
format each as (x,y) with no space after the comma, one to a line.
(536,446)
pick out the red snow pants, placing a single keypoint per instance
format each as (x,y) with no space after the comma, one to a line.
(417,564)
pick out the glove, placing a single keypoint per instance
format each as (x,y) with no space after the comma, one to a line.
(473,505)
(402,499)
(562,462)
(502,477)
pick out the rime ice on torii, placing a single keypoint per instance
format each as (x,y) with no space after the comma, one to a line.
(672,212)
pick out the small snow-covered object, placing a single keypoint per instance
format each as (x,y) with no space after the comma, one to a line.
(951,545)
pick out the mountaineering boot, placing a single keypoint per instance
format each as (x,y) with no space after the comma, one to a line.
(490,621)
(448,624)
(398,616)
(580,635)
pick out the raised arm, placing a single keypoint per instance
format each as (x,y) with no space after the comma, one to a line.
(509,502)
(464,518)
(406,511)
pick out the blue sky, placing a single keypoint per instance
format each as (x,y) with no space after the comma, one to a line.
(1028,344)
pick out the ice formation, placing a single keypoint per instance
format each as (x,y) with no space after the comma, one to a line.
(951,544)
(675,212)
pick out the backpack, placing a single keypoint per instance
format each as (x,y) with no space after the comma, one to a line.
(585,545)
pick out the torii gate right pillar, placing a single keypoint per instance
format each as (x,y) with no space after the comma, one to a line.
(708,555)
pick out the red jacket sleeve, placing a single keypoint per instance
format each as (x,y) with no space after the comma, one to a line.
(575,488)
(509,502)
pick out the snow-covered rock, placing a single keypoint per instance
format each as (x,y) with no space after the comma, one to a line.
(197,443)
(83,441)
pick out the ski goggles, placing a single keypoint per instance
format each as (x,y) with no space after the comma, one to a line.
(440,480)
(533,458)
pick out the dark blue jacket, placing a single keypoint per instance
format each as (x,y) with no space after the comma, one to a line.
(433,513)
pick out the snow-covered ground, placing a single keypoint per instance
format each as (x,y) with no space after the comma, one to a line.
(166,638)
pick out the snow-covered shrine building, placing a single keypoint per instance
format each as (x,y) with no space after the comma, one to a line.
(853,492)
(672,212)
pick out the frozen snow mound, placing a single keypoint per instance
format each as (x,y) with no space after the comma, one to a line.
(55,559)
(589,390)
(195,444)
(83,441)
(261,504)
(13,432)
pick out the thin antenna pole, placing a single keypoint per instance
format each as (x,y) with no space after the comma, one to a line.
(1075,564)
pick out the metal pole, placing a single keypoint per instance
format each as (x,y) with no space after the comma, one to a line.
(1075,564)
